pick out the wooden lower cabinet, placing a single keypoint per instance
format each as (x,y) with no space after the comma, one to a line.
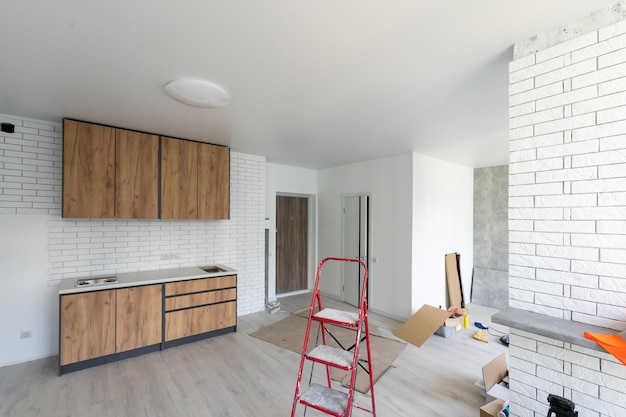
(139,317)
(198,306)
(103,326)
(87,326)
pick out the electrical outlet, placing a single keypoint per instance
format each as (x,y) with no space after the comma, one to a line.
(26,334)
(165,256)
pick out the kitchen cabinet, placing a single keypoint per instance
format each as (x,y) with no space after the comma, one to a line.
(195,180)
(109,172)
(139,317)
(213,182)
(87,329)
(116,173)
(179,179)
(98,324)
(136,175)
(88,170)
(196,307)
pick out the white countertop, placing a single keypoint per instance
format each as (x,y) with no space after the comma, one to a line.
(133,279)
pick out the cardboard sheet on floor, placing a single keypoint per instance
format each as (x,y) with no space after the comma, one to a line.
(421,325)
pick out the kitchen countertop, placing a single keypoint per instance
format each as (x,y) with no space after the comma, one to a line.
(133,279)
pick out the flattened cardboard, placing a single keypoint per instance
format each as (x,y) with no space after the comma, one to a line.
(421,325)
(453,279)
(495,371)
(492,409)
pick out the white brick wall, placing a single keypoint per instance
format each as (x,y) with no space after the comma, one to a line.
(31,183)
(567,217)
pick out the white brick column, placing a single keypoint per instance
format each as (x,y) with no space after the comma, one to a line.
(567,217)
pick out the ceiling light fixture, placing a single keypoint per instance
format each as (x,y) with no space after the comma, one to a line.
(197,93)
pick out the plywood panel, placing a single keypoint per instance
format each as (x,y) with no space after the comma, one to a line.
(213,181)
(191,300)
(87,326)
(139,313)
(198,285)
(88,170)
(137,175)
(184,323)
(179,179)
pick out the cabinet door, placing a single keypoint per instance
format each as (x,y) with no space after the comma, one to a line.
(139,315)
(194,321)
(88,170)
(87,326)
(136,175)
(213,181)
(179,179)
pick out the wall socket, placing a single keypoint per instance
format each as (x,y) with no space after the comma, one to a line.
(168,256)
(26,334)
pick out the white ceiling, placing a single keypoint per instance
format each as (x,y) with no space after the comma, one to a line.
(314,83)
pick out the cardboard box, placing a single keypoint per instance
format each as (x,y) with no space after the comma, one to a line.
(495,379)
(492,408)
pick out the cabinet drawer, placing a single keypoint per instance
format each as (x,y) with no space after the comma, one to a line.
(199,285)
(193,321)
(198,299)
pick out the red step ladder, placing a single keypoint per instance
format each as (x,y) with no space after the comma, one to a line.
(325,398)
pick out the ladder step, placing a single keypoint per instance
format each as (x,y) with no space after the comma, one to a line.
(325,399)
(342,318)
(328,355)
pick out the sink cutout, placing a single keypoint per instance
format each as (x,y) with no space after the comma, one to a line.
(212,269)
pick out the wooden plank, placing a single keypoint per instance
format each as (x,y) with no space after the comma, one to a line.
(198,299)
(453,279)
(139,312)
(136,175)
(184,323)
(199,285)
(213,181)
(87,326)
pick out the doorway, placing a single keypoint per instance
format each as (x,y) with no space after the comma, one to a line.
(356,244)
(291,244)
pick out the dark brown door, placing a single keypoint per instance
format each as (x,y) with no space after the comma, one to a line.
(291,243)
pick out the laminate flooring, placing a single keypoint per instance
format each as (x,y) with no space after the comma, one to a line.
(237,375)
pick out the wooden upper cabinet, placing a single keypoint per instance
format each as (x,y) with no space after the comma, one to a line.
(137,175)
(179,179)
(213,181)
(88,170)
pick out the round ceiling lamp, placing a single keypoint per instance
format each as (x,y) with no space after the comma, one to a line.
(197,93)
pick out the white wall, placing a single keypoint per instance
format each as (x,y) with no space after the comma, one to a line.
(57,248)
(27,302)
(388,180)
(288,180)
(442,223)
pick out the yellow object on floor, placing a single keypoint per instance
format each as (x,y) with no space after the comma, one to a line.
(481,336)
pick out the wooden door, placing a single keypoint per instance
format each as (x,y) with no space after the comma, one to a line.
(291,244)
(87,326)
(213,181)
(136,175)
(179,179)
(88,170)
(139,314)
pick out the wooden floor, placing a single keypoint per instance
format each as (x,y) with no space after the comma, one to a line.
(237,375)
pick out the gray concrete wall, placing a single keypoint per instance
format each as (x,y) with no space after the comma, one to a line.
(491,237)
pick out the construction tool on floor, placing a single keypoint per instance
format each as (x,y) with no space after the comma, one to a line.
(481,336)
(325,398)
